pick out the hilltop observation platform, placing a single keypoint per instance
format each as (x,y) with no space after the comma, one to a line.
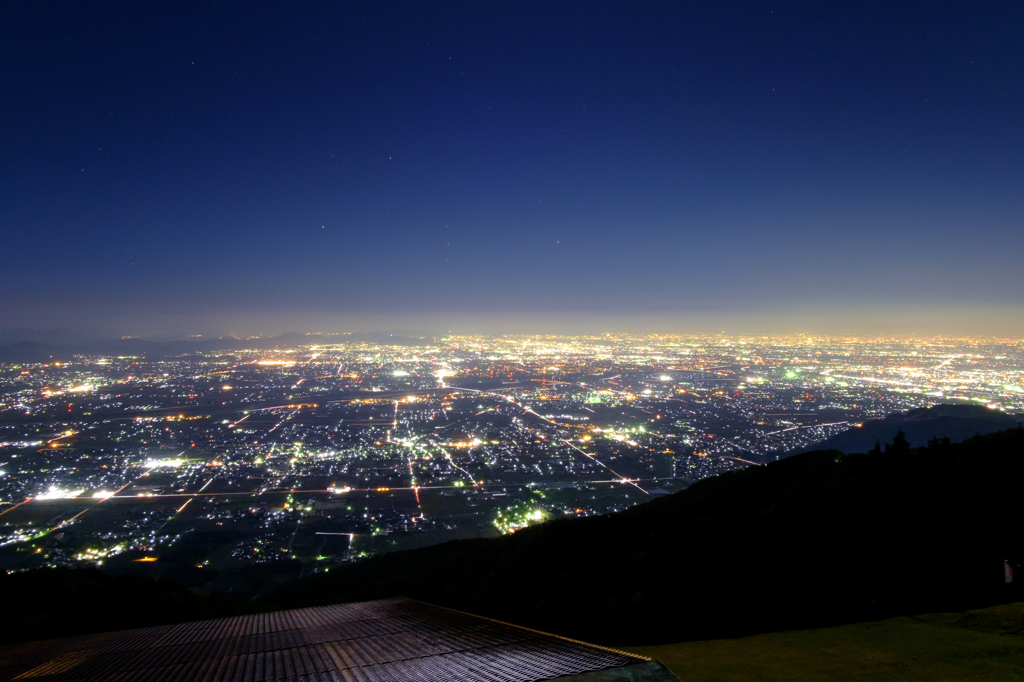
(391,639)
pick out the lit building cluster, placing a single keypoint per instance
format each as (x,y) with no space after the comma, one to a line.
(233,470)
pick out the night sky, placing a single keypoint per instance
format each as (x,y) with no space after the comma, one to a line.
(208,168)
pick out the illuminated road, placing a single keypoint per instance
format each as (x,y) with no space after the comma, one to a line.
(199,492)
(619,479)
(810,426)
(25,501)
(622,479)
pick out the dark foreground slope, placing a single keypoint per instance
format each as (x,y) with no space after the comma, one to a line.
(58,602)
(813,540)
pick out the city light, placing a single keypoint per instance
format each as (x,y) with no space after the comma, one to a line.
(55,493)
(164,463)
(471,435)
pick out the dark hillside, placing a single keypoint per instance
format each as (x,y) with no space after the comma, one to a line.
(56,602)
(956,422)
(815,539)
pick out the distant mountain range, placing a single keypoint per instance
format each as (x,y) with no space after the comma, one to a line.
(22,346)
(956,422)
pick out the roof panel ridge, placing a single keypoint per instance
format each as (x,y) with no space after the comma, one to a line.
(541,632)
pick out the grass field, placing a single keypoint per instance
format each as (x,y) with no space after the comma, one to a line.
(987,644)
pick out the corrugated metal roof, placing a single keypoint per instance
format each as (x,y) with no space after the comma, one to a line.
(390,639)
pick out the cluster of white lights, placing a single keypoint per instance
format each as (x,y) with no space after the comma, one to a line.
(55,493)
(162,463)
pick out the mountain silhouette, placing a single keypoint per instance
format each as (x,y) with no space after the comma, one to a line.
(955,422)
(28,348)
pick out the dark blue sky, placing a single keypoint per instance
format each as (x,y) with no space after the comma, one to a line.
(257,167)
